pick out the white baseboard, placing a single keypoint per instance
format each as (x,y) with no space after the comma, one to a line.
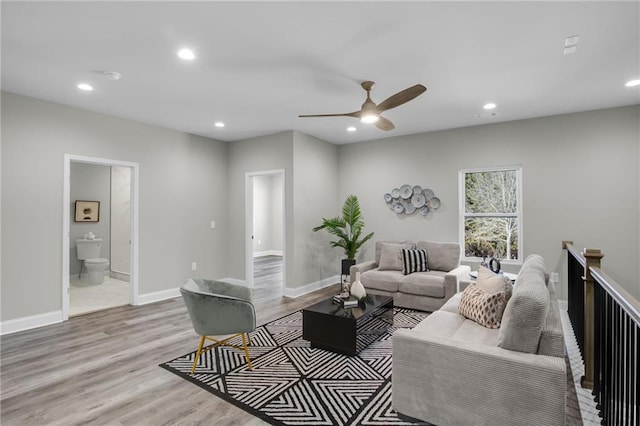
(27,323)
(268,253)
(309,288)
(122,276)
(157,296)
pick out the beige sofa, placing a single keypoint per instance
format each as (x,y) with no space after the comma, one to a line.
(425,291)
(450,370)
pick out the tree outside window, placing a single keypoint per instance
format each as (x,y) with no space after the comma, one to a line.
(491,219)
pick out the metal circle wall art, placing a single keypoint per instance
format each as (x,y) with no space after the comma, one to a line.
(411,199)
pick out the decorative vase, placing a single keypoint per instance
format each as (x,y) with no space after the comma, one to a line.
(357,289)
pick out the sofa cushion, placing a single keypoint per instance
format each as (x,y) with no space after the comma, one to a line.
(452,304)
(429,284)
(413,261)
(493,283)
(472,333)
(440,324)
(381,244)
(482,307)
(534,261)
(442,256)
(381,280)
(526,312)
(391,257)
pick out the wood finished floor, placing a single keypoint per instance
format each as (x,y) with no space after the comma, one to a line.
(102,368)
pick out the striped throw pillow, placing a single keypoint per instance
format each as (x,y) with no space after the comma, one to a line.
(414,261)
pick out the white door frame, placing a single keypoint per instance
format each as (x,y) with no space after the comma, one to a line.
(66,220)
(249,224)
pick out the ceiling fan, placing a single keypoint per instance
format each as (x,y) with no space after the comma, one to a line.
(370,112)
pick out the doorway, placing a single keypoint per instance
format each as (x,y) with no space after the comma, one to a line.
(111,188)
(265,264)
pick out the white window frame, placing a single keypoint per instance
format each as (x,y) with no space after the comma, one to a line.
(463,214)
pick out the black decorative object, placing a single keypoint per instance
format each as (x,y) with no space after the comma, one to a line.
(494,265)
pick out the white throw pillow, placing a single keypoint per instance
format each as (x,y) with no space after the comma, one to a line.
(493,283)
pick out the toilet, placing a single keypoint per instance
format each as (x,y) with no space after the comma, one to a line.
(88,253)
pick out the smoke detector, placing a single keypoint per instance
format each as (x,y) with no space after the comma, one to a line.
(112,75)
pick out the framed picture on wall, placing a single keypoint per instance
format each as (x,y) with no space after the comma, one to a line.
(87,211)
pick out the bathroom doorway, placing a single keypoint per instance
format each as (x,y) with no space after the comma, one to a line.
(266,233)
(100,248)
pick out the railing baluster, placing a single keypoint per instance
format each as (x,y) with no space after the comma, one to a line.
(607,396)
(637,398)
(597,342)
(629,371)
(618,376)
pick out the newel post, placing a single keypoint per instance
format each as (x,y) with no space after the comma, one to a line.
(592,259)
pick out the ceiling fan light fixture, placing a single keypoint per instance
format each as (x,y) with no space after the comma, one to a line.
(370,118)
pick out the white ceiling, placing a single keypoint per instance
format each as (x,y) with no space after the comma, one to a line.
(260,64)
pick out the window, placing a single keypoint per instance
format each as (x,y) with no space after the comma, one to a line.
(491,213)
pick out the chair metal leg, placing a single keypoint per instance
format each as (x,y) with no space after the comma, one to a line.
(195,361)
(246,351)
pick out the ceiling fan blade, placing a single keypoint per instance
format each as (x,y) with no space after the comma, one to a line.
(401,97)
(384,124)
(355,114)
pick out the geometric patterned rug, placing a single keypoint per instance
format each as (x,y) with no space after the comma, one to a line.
(294,384)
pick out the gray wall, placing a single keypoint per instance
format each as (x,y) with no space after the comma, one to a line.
(272,152)
(311,181)
(315,194)
(182,180)
(90,182)
(580,183)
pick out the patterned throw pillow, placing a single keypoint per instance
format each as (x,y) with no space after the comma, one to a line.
(482,307)
(414,261)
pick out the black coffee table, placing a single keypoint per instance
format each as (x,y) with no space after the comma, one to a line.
(347,331)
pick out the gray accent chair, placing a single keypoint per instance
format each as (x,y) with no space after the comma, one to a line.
(219,308)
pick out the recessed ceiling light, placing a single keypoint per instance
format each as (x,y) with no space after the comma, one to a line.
(490,105)
(84,86)
(632,83)
(219,124)
(351,129)
(187,54)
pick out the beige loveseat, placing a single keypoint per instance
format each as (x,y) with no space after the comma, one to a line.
(450,370)
(425,291)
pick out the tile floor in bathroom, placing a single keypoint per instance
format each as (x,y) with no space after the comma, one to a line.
(85,298)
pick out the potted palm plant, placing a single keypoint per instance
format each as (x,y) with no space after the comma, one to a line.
(348,230)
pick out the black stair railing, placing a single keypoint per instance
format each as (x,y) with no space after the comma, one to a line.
(606,322)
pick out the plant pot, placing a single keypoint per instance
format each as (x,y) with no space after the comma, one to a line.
(346,265)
